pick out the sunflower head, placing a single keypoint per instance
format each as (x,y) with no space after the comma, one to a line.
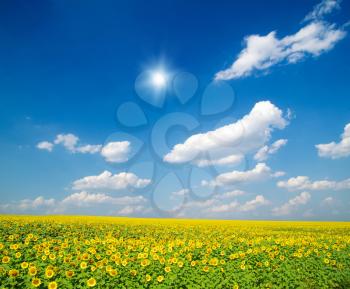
(91,282)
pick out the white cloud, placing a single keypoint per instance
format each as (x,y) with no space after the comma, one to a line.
(292,204)
(246,135)
(266,150)
(254,204)
(131,210)
(335,150)
(321,9)
(230,194)
(224,207)
(304,183)
(109,182)
(70,142)
(260,172)
(29,205)
(262,52)
(88,199)
(227,160)
(45,145)
(179,193)
(73,202)
(116,152)
(218,204)
(91,149)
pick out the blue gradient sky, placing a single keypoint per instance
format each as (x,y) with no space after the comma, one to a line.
(65,67)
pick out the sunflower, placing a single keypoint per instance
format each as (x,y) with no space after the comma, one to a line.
(113,272)
(6,259)
(52,285)
(24,265)
(13,273)
(69,274)
(160,278)
(36,282)
(32,271)
(167,269)
(49,273)
(148,278)
(83,265)
(91,282)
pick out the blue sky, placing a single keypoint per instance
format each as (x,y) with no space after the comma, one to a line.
(119,108)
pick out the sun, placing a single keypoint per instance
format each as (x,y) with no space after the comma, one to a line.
(159,79)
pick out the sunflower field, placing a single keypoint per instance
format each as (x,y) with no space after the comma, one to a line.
(105,252)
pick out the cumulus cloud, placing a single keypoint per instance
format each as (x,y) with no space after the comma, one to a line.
(335,150)
(45,145)
(260,172)
(262,52)
(131,210)
(179,193)
(321,9)
(87,199)
(70,142)
(292,205)
(264,152)
(227,160)
(253,204)
(304,183)
(72,202)
(224,207)
(106,181)
(116,152)
(246,135)
(29,205)
(235,206)
(230,194)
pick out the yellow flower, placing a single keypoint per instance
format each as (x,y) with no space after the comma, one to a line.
(133,272)
(18,255)
(13,273)
(113,272)
(235,286)
(69,274)
(148,278)
(91,282)
(167,269)
(326,261)
(49,273)
(83,265)
(6,259)
(205,268)
(24,265)
(32,271)
(214,261)
(160,278)
(36,282)
(242,266)
(52,285)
